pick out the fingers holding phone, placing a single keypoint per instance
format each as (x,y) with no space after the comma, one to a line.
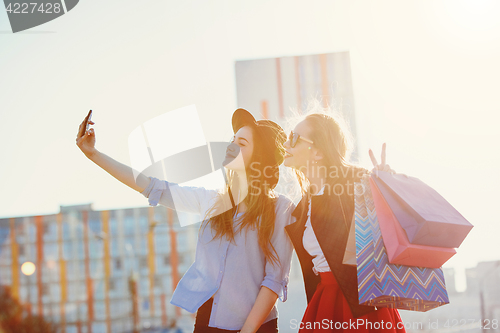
(84,126)
(85,139)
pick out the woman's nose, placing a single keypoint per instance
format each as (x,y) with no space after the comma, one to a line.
(233,148)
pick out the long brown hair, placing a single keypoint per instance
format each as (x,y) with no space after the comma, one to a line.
(260,201)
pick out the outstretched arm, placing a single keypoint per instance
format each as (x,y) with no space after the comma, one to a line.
(122,172)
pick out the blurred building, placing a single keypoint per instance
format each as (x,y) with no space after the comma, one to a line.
(484,280)
(275,88)
(98,271)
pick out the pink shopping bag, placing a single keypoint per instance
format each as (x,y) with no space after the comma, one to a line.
(426,217)
(399,249)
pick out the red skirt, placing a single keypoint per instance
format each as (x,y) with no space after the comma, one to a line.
(328,310)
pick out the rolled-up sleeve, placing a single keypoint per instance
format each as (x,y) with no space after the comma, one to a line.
(277,275)
(177,197)
(155,190)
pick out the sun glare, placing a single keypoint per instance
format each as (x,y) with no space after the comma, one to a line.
(28,268)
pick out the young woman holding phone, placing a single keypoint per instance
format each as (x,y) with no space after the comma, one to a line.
(317,149)
(243,254)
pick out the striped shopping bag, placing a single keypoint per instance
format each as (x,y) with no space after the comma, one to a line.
(381,283)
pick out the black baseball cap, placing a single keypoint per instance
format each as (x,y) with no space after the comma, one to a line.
(270,133)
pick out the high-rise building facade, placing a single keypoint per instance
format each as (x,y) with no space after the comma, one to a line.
(98,271)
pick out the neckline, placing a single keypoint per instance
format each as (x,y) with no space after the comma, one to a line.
(321,192)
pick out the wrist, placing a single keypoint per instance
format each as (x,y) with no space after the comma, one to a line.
(92,154)
(246,330)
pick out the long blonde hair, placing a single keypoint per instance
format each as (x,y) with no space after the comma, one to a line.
(330,134)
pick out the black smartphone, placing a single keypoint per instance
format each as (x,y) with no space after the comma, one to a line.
(86,126)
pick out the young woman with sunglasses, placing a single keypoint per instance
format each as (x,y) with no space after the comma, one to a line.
(317,149)
(243,254)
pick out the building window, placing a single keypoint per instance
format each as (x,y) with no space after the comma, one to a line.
(45,289)
(166,260)
(19,229)
(118,263)
(143,262)
(21,249)
(4,232)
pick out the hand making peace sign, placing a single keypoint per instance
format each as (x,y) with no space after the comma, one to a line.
(382,166)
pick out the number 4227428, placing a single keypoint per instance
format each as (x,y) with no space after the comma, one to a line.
(32,7)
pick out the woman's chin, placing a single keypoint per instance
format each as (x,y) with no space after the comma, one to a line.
(233,165)
(227,162)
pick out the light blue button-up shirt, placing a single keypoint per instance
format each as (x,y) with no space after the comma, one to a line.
(232,272)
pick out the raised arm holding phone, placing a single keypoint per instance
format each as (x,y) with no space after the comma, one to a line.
(234,282)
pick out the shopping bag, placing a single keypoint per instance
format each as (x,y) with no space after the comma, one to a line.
(398,247)
(426,217)
(381,283)
(350,250)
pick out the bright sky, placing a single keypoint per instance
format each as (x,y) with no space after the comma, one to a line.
(425,79)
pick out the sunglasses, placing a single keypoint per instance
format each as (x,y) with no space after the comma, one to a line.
(294,137)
